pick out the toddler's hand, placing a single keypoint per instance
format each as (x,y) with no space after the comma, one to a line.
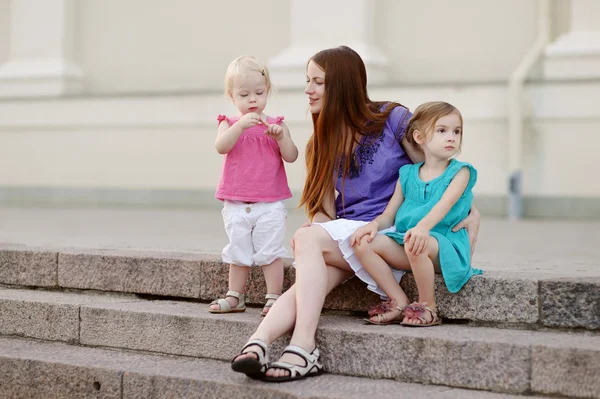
(275,131)
(249,120)
(415,240)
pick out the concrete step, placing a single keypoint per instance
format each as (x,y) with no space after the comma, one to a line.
(502,360)
(495,297)
(37,369)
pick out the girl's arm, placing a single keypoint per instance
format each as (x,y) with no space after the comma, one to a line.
(415,154)
(381,222)
(387,218)
(227,135)
(289,151)
(417,237)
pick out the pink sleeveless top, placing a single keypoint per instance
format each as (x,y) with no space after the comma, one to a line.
(253,170)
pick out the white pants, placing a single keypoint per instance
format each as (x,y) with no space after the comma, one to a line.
(256,232)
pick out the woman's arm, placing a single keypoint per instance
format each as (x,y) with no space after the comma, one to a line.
(471,224)
(415,154)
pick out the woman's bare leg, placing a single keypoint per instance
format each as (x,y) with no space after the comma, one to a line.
(320,266)
(282,316)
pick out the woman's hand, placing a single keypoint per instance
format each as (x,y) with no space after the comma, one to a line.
(369,229)
(471,223)
(415,240)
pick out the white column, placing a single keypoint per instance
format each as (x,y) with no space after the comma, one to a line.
(576,54)
(319,24)
(41,50)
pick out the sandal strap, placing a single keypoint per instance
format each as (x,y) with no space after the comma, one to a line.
(272,296)
(308,357)
(311,362)
(223,304)
(262,357)
(235,294)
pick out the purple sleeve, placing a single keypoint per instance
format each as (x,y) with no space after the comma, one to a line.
(398,121)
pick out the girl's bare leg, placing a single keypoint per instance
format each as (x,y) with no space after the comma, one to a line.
(274,277)
(238,277)
(424,267)
(376,258)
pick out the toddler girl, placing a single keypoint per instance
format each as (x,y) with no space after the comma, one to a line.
(253,184)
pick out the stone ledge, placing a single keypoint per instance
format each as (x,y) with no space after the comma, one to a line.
(570,302)
(494,297)
(42,369)
(453,355)
(28,267)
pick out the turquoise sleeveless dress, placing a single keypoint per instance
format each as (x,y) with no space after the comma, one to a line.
(419,198)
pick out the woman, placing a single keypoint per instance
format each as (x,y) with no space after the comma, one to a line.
(360,145)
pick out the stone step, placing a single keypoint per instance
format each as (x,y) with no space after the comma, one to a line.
(38,369)
(513,361)
(495,297)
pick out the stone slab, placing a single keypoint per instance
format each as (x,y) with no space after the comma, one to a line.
(44,314)
(28,267)
(453,355)
(570,302)
(154,273)
(492,297)
(495,297)
(42,369)
(572,372)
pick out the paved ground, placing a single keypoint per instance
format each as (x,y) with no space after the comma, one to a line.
(532,246)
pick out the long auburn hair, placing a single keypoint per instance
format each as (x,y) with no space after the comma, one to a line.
(347,114)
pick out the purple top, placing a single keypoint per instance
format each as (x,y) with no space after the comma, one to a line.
(368,190)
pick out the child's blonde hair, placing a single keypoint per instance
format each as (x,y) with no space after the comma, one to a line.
(425,117)
(243,64)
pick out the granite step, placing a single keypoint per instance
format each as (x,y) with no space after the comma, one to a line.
(563,363)
(495,297)
(38,369)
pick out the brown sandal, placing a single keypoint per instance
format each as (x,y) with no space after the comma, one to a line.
(381,310)
(417,311)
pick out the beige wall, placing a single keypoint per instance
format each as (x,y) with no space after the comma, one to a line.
(455,41)
(176,45)
(4,11)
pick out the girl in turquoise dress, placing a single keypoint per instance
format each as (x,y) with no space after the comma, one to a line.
(430,198)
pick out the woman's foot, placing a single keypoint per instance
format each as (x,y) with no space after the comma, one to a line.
(253,360)
(421,315)
(287,357)
(288,370)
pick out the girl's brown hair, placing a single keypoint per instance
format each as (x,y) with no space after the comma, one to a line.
(347,114)
(425,117)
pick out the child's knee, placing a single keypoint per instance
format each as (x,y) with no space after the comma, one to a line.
(304,238)
(363,247)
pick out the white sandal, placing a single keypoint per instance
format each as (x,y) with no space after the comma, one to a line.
(271,298)
(253,368)
(311,368)
(225,306)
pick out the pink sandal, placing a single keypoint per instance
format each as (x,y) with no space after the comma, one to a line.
(380,310)
(417,311)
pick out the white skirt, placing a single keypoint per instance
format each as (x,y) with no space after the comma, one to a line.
(341,230)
